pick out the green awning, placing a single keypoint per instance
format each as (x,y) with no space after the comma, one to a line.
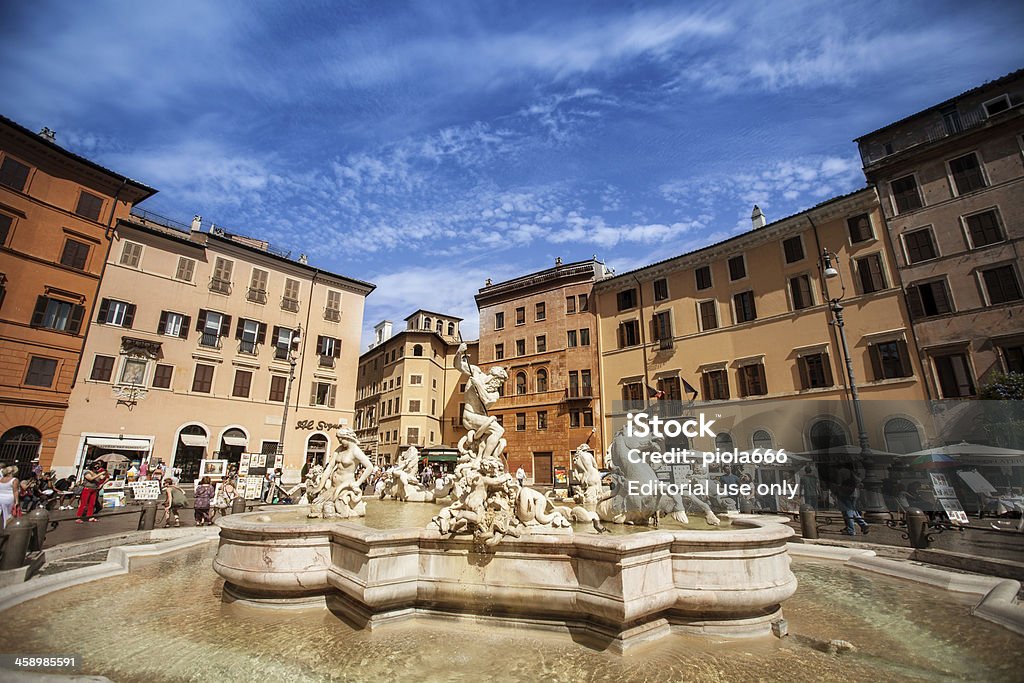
(442,458)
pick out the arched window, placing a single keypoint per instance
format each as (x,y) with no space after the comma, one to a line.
(451,329)
(417,350)
(19,446)
(440,326)
(901,436)
(542,380)
(723,442)
(191,450)
(762,439)
(426,322)
(520,383)
(828,434)
(316,449)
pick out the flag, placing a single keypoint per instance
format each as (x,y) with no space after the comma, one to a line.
(654,393)
(688,388)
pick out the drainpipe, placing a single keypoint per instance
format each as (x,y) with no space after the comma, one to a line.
(643,337)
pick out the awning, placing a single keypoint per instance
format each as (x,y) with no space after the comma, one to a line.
(118,444)
(442,458)
(200,440)
(232,441)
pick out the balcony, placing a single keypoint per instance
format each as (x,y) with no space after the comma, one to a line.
(584,393)
(257,296)
(220,286)
(327,361)
(290,304)
(937,130)
(332,314)
(209,340)
(247,347)
(665,344)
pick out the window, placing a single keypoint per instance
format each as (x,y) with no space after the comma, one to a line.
(762,439)
(890,359)
(996,105)
(114,312)
(54,314)
(499,320)
(520,347)
(588,418)
(102,368)
(583,303)
(416,379)
(542,343)
(173,324)
(632,396)
(574,418)
(131,254)
(585,336)
(162,376)
(815,371)
(869,268)
(451,329)
(89,206)
(332,311)
(626,299)
(258,286)
(752,380)
(800,292)
(737,268)
(540,313)
(708,315)
(585,386)
(927,299)
(13,174)
(221,280)
(290,299)
(661,329)
(542,419)
(703,277)
(417,350)
(40,372)
(669,388)
(133,372)
(521,315)
(574,384)
(1001,285)
(433,406)
(212,326)
(542,380)
(744,305)
(322,394)
(966,172)
(186,269)
(954,376)
(75,254)
(1013,357)
(414,406)
(202,381)
(250,334)
(439,326)
(426,322)
(660,289)
(520,383)
(860,228)
(920,245)
(329,349)
(412,435)
(5,228)
(901,436)
(629,333)
(724,442)
(793,248)
(243,383)
(827,434)
(570,304)
(277,388)
(520,422)
(571,338)
(499,351)
(905,194)
(984,229)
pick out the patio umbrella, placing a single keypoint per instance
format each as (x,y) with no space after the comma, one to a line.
(976,454)
(934,461)
(112,458)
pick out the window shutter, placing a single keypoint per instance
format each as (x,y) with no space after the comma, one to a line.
(622,335)
(805,376)
(826,366)
(762,379)
(914,303)
(201,320)
(655,328)
(101,315)
(330,396)
(129,316)
(239,328)
(225,326)
(337,348)
(75,322)
(185,322)
(277,333)
(162,325)
(312,394)
(261,333)
(40,311)
(942,304)
(876,362)
(725,385)
(901,345)
(320,345)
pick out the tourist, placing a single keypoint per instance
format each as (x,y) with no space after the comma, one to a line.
(143,470)
(521,476)
(95,478)
(174,500)
(228,493)
(846,484)
(807,485)
(65,489)
(729,479)
(9,489)
(201,506)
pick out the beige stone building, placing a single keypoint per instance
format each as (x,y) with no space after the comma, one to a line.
(741,326)
(188,356)
(951,182)
(409,389)
(541,328)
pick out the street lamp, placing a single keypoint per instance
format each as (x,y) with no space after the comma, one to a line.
(294,343)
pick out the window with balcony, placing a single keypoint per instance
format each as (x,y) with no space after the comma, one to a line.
(131,254)
(114,312)
(75,254)
(815,371)
(905,194)
(322,394)
(737,268)
(632,396)
(629,333)
(332,311)
(800,292)
(752,380)
(574,384)
(670,389)
(329,350)
(13,174)
(220,283)
(290,298)
(954,375)
(186,269)
(571,339)
(967,174)
(661,329)
(793,249)
(162,376)
(860,228)
(102,368)
(626,299)
(928,298)
(41,372)
(869,270)
(250,335)
(212,326)
(743,304)
(57,315)
(257,292)
(920,245)
(586,390)
(715,385)
(890,359)
(1001,285)
(660,289)
(702,276)
(89,206)
(202,380)
(984,228)
(173,324)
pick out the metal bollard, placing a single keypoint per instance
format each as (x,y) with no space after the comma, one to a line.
(41,519)
(237,505)
(917,528)
(147,519)
(808,521)
(19,533)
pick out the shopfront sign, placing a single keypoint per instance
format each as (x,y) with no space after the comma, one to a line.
(319,425)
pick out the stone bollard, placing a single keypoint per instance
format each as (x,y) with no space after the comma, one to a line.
(41,519)
(237,505)
(18,534)
(808,521)
(917,528)
(746,505)
(147,520)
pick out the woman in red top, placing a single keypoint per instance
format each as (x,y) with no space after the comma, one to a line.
(94,481)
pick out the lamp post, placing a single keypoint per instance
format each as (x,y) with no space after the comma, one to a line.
(294,343)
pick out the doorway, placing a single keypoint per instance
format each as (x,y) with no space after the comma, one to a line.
(542,468)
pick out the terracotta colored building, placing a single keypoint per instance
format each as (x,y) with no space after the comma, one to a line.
(541,327)
(57,210)
(409,390)
(951,182)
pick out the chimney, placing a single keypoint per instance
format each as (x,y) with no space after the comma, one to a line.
(303,260)
(757,218)
(197,223)
(50,135)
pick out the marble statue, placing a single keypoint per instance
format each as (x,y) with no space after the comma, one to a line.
(401,482)
(338,492)
(311,477)
(482,391)
(584,466)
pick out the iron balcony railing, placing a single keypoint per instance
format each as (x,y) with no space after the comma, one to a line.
(248,347)
(210,340)
(281,353)
(332,314)
(257,296)
(327,361)
(949,125)
(220,286)
(290,304)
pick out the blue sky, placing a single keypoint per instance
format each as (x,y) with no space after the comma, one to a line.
(427,146)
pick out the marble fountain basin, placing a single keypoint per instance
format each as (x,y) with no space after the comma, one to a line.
(609,591)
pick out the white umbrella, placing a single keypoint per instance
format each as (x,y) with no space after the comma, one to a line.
(975,454)
(112,458)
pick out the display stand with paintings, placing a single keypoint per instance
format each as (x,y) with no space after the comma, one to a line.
(214,469)
(145,490)
(946,496)
(252,470)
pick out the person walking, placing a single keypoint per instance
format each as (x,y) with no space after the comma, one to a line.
(174,500)
(521,476)
(95,478)
(846,497)
(201,506)
(9,488)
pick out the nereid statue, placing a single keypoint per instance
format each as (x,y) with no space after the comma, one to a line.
(337,492)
